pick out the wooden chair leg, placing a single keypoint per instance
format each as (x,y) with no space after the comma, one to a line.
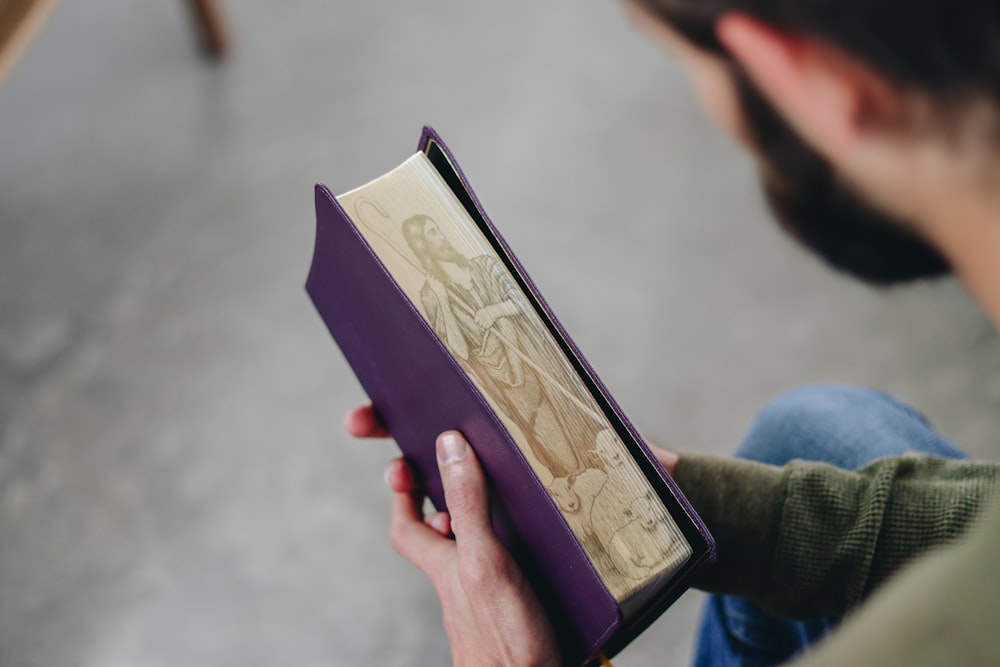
(212,32)
(19,21)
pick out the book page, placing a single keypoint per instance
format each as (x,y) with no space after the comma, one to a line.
(448,269)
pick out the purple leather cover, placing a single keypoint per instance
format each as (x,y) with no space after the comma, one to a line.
(420,391)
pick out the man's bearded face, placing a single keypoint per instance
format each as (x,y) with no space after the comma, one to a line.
(438,245)
(815,207)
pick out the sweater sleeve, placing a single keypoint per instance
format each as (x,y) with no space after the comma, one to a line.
(942,610)
(809,540)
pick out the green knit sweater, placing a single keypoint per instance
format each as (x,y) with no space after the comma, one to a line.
(810,540)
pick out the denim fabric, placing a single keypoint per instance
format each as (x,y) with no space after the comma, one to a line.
(845,426)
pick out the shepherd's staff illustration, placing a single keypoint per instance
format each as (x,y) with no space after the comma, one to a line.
(359,215)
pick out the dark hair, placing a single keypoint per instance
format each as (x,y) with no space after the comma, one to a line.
(948,48)
(820,212)
(950,55)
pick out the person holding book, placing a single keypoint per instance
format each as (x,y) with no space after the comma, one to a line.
(876,127)
(476,309)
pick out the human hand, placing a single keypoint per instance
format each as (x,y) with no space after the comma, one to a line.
(491,615)
(485,317)
(364,422)
(667,458)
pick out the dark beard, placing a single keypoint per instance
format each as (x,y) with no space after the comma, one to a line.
(822,213)
(447,253)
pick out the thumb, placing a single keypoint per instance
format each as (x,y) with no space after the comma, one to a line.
(465,491)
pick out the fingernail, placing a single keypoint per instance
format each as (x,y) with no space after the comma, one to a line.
(388,472)
(451,448)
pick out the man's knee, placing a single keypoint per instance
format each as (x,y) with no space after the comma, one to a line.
(816,423)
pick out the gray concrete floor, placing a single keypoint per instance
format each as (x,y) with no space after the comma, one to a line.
(175,487)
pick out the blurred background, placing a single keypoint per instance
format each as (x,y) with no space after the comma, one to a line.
(175,484)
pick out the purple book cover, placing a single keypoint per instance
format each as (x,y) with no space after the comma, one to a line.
(420,390)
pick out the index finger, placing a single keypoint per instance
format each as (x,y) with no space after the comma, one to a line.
(364,422)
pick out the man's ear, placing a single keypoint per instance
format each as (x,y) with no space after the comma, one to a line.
(827,96)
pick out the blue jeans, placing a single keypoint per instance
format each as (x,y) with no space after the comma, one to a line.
(843,426)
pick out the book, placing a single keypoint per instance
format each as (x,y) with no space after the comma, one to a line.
(445,330)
